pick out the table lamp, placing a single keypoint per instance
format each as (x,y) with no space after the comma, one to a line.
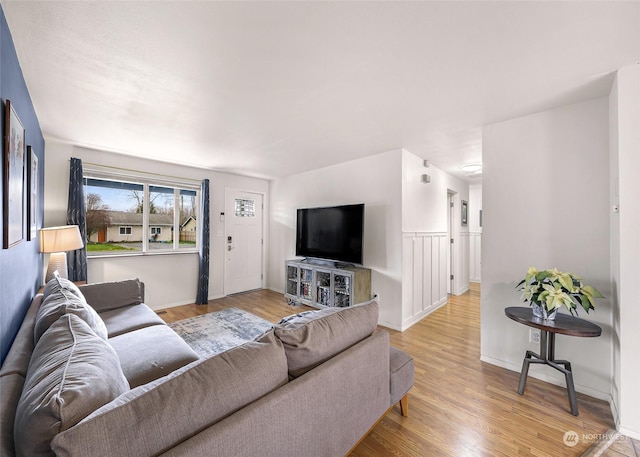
(57,241)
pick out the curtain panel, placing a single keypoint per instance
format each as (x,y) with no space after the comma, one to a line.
(76,215)
(202,297)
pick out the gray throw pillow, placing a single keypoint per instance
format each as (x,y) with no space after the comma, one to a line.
(61,297)
(104,296)
(72,373)
(57,284)
(315,337)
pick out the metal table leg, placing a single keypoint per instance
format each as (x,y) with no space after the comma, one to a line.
(547,356)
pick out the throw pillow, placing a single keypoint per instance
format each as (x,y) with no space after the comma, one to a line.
(72,373)
(292,317)
(61,297)
(111,295)
(57,284)
(317,336)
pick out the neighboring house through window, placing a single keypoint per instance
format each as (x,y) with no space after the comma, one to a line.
(122,208)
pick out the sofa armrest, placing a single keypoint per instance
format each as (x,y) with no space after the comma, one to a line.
(104,296)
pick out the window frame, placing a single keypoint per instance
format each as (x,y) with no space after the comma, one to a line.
(147,181)
(127,228)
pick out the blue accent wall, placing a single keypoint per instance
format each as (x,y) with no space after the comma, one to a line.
(21,265)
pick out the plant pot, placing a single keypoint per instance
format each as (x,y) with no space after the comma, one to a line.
(541,312)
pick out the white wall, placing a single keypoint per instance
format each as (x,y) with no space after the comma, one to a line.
(374,181)
(475,232)
(546,204)
(624,102)
(398,206)
(425,214)
(614,243)
(475,205)
(170,280)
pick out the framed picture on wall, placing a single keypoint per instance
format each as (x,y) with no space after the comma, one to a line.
(32,197)
(14,159)
(464,216)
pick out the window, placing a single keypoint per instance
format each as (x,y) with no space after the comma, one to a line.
(120,211)
(245,208)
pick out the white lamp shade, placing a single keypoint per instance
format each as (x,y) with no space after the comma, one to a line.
(60,239)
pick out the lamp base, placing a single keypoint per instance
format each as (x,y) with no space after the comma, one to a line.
(57,262)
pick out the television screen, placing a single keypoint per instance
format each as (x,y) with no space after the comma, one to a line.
(331,233)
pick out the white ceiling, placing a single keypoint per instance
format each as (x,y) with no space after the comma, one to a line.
(275,88)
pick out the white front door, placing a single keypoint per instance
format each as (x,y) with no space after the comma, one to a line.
(243,243)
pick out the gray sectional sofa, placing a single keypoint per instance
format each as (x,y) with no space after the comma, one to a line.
(95,372)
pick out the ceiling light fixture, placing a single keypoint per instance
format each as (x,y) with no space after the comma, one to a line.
(472,167)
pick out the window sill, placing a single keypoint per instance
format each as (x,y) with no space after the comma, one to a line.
(142,254)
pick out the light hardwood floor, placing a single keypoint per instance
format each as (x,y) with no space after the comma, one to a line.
(459,406)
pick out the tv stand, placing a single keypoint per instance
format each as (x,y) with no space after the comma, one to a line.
(327,263)
(326,285)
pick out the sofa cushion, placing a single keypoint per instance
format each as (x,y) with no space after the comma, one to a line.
(72,373)
(61,297)
(313,338)
(167,411)
(104,296)
(401,373)
(163,351)
(129,318)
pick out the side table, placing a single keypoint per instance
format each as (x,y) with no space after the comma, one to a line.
(563,325)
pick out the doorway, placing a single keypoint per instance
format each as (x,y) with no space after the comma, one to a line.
(450,238)
(243,241)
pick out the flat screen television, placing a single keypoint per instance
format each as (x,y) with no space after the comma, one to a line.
(331,233)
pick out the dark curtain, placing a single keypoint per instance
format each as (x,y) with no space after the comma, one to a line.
(76,215)
(202,298)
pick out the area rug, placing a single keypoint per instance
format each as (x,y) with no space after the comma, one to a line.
(213,333)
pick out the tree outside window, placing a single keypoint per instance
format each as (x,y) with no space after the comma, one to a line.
(116,219)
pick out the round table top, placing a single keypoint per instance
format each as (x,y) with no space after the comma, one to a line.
(563,324)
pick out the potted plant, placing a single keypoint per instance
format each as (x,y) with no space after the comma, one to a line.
(549,290)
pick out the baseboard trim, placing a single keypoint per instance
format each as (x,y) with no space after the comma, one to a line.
(463,290)
(421,315)
(180,303)
(606,396)
(630,433)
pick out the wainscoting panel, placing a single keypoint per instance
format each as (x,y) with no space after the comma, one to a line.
(424,275)
(418,263)
(427,272)
(443,246)
(461,282)
(475,251)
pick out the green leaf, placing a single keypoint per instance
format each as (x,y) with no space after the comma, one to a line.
(566,281)
(543,275)
(587,303)
(592,291)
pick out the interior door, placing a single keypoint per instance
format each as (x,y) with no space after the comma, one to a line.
(450,251)
(243,243)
